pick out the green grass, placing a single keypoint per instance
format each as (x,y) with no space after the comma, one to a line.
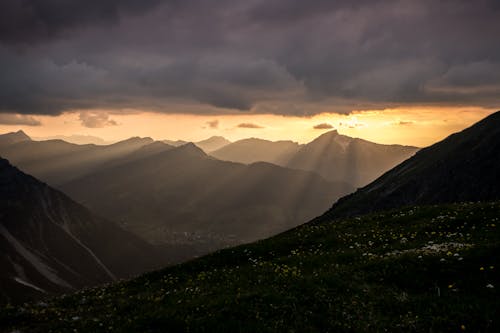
(427,269)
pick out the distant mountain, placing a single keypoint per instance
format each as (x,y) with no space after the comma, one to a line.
(341,158)
(332,155)
(462,167)
(57,161)
(212,143)
(13,137)
(76,139)
(183,191)
(50,244)
(174,143)
(258,150)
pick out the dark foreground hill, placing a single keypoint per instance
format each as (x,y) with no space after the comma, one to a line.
(419,269)
(463,167)
(50,244)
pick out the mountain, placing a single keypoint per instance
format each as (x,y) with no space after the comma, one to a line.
(57,161)
(462,167)
(50,244)
(341,158)
(183,193)
(175,143)
(13,137)
(334,156)
(213,143)
(419,269)
(257,150)
(147,150)
(76,139)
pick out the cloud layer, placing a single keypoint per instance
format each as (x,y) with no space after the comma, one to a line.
(285,56)
(18,119)
(96,119)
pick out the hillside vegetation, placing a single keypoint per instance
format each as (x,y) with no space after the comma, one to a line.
(417,269)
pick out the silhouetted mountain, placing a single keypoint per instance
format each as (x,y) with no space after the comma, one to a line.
(147,150)
(338,157)
(76,139)
(57,161)
(258,150)
(185,192)
(335,157)
(13,137)
(50,244)
(462,167)
(213,143)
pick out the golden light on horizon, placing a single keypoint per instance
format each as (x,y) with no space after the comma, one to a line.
(411,126)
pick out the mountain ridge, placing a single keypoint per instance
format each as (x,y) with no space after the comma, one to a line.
(462,167)
(185,190)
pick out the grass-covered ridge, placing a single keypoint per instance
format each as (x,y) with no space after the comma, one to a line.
(416,269)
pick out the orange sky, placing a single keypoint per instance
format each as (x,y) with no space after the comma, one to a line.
(411,126)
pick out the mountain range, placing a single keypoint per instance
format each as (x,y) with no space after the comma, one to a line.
(207,145)
(176,194)
(182,190)
(57,161)
(334,156)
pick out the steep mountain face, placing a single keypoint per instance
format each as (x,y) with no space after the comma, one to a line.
(462,167)
(50,244)
(258,150)
(14,137)
(341,158)
(185,193)
(213,143)
(57,161)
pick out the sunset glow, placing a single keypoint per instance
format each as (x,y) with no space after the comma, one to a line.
(410,126)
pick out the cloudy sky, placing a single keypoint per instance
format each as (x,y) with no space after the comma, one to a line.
(248,68)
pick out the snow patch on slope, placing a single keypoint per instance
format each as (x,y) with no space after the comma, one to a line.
(27,284)
(36,262)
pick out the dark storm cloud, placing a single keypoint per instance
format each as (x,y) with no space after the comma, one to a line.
(28,21)
(247,55)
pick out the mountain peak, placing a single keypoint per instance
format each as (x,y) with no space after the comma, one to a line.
(21,132)
(332,135)
(216,137)
(135,140)
(333,132)
(14,137)
(213,143)
(191,149)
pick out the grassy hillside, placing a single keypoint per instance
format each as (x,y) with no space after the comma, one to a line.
(418,269)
